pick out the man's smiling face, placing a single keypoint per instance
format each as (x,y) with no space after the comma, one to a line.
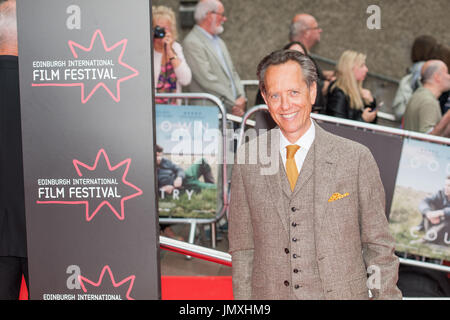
(289,99)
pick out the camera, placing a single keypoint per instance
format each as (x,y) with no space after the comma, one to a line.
(159,32)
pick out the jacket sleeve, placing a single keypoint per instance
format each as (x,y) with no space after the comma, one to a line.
(237,80)
(240,238)
(203,72)
(337,104)
(183,72)
(372,106)
(377,242)
(428,118)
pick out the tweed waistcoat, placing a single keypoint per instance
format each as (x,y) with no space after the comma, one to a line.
(304,270)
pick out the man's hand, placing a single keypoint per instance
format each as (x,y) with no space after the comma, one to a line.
(435,216)
(239,106)
(237,111)
(178,182)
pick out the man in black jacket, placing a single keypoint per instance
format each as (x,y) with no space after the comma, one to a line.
(305,29)
(13,247)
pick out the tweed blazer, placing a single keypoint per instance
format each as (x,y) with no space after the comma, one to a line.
(350,233)
(208,73)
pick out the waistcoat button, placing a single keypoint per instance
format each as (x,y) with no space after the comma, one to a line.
(286,283)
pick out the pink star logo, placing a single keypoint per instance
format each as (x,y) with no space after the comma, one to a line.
(78,49)
(79,166)
(82,280)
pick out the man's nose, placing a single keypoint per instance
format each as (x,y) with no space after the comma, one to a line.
(285,103)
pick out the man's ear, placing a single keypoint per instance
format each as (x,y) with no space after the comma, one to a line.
(263,94)
(313,92)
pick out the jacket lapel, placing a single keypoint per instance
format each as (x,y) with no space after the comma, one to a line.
(324,174)
(274,181)
(320,164)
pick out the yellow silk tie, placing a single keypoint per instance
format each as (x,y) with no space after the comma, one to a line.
(291,167)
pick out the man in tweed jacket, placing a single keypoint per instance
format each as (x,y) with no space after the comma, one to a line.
(321,239)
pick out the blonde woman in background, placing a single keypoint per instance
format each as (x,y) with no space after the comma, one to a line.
(346,96)
(170,68)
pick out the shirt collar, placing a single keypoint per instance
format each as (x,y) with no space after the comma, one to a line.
(206,33)
(305,141)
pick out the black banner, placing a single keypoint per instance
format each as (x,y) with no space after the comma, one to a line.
(88,136)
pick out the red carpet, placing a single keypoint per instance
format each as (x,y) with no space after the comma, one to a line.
(184,288)
(196,288)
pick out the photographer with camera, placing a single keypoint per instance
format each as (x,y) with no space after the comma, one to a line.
(170,68)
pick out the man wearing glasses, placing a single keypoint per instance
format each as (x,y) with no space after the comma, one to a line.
(208,57)
(305,29)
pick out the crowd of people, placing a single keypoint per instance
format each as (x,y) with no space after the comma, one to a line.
(203,64)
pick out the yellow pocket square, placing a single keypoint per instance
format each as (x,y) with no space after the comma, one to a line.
(337,196)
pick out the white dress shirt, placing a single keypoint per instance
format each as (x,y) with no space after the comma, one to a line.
(305,142)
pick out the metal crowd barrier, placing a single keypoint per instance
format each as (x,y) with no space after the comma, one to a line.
(365,126)
(225,258)
(334,63)
(380,114)
(371,74)
(196,251)
(195,221)
(359,124)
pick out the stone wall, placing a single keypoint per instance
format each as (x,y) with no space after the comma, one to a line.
(257,27)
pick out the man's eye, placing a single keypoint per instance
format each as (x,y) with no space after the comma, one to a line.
(274,96)
(295,93)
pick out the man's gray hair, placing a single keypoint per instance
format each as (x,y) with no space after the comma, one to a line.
(8,24)
(282,56)
(297,29)
(203,8)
